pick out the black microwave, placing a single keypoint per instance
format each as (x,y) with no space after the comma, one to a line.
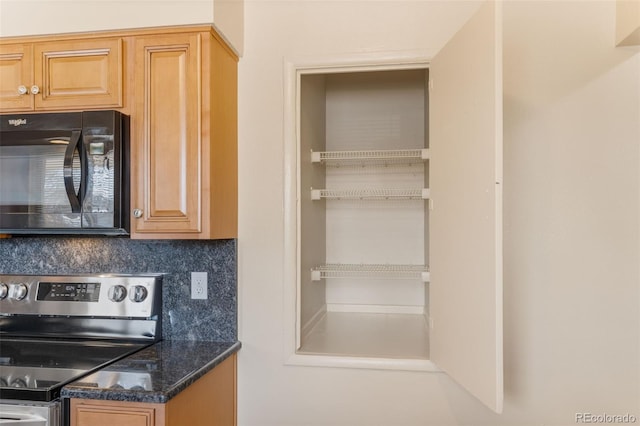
(64,173)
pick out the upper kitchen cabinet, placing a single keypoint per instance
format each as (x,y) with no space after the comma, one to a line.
(61,74)
(395,191)
(184,137)
(16,75)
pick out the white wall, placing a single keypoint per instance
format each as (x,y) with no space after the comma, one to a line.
(30,17)
(228,18)
(572,162)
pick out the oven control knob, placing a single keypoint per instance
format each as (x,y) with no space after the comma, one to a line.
(18,383)
(138,293)
(4,291)
(18,291)
(117,293)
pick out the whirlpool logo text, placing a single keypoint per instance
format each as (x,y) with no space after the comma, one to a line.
(17,121)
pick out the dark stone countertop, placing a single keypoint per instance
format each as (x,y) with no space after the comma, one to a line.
(155,374)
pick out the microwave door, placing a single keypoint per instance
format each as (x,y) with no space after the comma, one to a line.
(99,199)
(32,180)
(74,188)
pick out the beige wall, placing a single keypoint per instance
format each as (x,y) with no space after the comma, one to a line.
(572,138)
(627,22)
(572,213)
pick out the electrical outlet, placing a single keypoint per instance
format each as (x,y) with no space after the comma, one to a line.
(198,285)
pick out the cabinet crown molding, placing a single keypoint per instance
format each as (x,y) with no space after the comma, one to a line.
(123,32)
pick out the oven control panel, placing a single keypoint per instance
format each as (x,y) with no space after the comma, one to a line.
(88,295)
(73,292)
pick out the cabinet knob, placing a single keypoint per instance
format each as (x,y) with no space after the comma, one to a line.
(35,90)
(137,213)
(22,90)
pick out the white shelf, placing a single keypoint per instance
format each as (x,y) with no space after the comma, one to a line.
(393,154)
(371,158)
(370,194)
(385,336)
(370,271)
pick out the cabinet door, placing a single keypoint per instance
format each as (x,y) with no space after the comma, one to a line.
(166,154)
(79,74)
(15,71)
(209,401)
(109,413)
(466,221)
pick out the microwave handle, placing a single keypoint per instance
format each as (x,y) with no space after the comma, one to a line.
(74,198)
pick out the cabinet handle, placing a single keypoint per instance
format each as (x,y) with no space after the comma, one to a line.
(35,90)
(137,213)
(22,90)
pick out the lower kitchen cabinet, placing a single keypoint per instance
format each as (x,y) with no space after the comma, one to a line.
(209,401)
(98,413)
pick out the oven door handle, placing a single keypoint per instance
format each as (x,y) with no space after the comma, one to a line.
(74,198)
(21,419)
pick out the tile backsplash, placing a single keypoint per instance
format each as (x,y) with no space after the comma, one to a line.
(213,319)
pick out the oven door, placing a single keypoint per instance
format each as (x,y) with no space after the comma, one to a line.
(18,413)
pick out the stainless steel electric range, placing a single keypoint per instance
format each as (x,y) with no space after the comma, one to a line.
(56,329)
